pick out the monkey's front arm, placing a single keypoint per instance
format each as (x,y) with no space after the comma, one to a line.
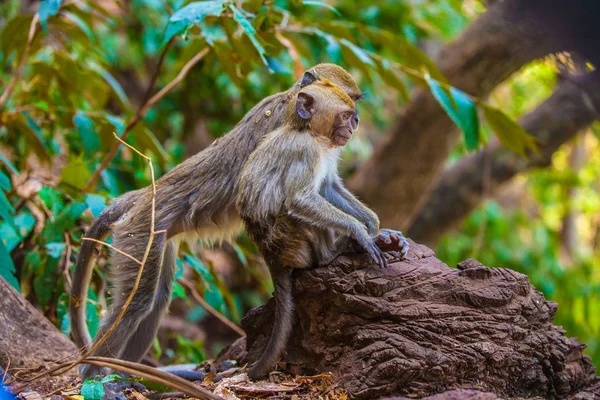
(342,198)
(313,209)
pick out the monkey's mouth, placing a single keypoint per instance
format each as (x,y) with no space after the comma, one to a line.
(343,137)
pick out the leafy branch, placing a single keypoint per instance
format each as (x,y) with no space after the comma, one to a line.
(17,72)
(141,112)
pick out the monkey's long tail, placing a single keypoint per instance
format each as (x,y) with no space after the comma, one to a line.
(99,230)
(282,325)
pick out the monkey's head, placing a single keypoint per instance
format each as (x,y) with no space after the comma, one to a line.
(337,75)
(326,110)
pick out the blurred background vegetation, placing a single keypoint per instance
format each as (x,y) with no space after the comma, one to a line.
(92,64)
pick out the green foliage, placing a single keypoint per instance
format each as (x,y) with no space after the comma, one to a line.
(460,108)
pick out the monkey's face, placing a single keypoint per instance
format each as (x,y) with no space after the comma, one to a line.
(329,111)
(343,128)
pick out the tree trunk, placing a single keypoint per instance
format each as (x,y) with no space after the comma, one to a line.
(29,340)
(573,107)
(410,158)
(419,328)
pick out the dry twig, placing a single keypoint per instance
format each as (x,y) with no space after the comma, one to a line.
(210,309)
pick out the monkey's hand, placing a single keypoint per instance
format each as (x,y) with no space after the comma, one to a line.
(392,242)
(372,223)
(370,246)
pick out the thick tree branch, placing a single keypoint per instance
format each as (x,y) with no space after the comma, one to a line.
(410,158)
(574,105)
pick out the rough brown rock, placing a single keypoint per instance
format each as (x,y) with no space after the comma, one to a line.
(420,328)
(29,340)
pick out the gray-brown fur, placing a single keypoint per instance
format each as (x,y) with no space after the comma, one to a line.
(197,197)
(294,205)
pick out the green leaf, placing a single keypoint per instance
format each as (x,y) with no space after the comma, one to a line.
(14,35)
(6,208)
(47,9)
(27,126)
(11,234)
(190,15)
(75,174)
(358,52)
(55,249)
(85,128)
(240,254)
(249,30)
(112,82)
(460,108)
(321,4)
(96,203)
(81,24)
(63,222)
(146,141)
(45,279)
(178,291)
(510,133)
(7,268)
(8,164)
(62,314)
(92,389)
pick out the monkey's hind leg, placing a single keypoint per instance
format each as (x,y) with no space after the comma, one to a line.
(125,271)
(141,340)
(282,324)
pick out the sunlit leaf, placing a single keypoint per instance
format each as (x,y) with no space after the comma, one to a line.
(321,4)
(510,133)
(47,9)
(7,268)
(249,31)
(75,174)
(460,108)
(191,14)
(391,78)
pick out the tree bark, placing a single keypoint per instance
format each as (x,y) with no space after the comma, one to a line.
(572,107)
(410,157)
(419,328)
(29,340)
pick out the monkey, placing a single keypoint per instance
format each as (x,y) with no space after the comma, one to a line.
(287,205)
(195,198)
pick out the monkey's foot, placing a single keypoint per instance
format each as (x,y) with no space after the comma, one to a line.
(88,371)
(392,242)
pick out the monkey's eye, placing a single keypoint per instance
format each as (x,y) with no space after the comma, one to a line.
(346,116)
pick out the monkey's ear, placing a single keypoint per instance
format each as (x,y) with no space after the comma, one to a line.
(305,105)
(307,79)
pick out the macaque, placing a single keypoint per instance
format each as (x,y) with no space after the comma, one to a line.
(196,198)
(294,205)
